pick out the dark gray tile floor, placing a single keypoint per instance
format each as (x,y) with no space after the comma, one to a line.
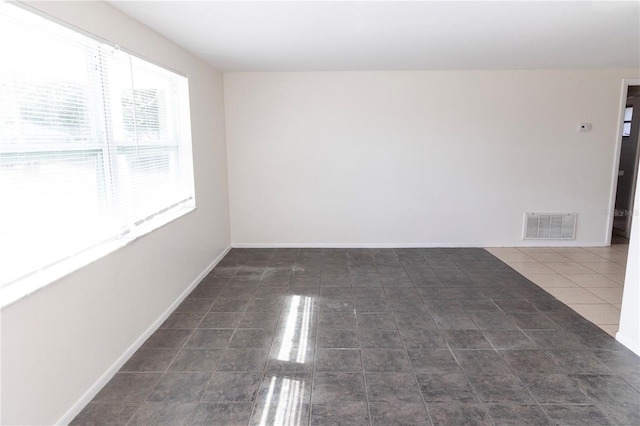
(372,337)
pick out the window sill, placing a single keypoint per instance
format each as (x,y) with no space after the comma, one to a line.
(24,287)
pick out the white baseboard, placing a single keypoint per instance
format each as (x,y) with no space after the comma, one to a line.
(111,371)
(631,344)
(346,245)
(415,245)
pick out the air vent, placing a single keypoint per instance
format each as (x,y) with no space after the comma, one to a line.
(550,226)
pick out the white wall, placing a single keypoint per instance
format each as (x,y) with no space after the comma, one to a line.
(59,341)
(433,158)
(629,330)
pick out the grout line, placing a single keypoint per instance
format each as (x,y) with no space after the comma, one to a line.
(197,405)
(404,346)
(263,373)
(315,344)
(229,282)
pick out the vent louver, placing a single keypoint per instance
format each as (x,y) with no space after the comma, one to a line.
(550,226)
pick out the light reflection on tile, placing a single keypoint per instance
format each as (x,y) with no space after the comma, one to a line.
(293,346)
(284,403)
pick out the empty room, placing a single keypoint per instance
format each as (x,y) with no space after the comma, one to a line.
(319,213)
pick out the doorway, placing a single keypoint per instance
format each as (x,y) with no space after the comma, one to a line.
(627,169)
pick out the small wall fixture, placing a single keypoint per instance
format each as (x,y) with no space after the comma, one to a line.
(584,127)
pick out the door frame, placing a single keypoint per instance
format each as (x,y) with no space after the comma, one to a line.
(616,158)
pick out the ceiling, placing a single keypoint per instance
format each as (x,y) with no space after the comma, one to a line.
(398,35)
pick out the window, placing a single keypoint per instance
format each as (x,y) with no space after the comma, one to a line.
(626,126)
(95,144)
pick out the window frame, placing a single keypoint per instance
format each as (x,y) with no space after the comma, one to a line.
(625,121)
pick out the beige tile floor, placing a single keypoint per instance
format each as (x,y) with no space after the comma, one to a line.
(589,280)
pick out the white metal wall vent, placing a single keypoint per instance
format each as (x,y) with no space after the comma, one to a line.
(550,226)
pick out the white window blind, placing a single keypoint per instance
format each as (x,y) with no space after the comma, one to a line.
(94,143)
